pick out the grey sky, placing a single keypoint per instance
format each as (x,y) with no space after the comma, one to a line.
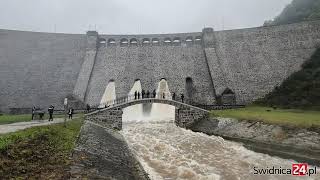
(135,16)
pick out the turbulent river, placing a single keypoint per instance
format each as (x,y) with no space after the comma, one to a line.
(169,152)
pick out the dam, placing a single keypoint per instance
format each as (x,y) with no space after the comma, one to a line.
(210,67)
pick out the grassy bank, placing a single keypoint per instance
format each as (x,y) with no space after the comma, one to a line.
(8,118)
(39,152)
(289,117)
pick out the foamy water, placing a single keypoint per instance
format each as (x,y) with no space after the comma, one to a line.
(170,152)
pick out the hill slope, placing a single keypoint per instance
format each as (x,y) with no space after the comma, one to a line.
(298,10)
(300,90)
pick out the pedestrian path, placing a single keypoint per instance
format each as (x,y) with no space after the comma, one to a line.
(7,128)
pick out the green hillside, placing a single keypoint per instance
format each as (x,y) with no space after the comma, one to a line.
(300,90)
(298,10)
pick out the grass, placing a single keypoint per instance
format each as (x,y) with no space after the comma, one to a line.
(38,152)
(8,118)
(287,117)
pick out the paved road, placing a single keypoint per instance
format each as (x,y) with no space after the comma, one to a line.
(7,128)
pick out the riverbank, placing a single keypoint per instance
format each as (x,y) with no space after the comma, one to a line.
(284,117)
(39,152)
(290,142)
(10,118)
(102,153)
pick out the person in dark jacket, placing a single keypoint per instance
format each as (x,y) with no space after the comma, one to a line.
(173,96)
(154,93)
(33,112)
(50,110)
(148,94)
(70,113)
(135,95)
(182,97)
(88,108)
(138,95)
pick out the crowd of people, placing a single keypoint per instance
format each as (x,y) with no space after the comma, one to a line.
(146,94)
(37,111)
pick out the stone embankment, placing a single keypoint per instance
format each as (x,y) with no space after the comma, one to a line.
(102,153)
(300,144)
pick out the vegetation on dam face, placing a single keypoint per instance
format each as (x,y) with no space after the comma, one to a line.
(298,10)
(300,90)
(286,117)
(40,152)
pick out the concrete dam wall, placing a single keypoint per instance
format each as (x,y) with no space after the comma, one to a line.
(42,68)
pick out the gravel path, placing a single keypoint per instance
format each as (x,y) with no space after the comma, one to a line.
(7,128)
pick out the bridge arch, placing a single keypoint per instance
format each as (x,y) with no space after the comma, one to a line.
(176,41)
(198,40)
(102,42)
(111,42)
(145,41)
(124,42)
(155,41)
(134,42)
(167,41)
(189,40)
(185,115)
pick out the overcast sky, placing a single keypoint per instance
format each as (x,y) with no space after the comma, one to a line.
(135,16)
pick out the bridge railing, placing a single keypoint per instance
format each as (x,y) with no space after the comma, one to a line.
(169,96)
(132,97)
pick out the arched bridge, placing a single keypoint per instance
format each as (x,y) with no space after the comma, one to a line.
(111,117)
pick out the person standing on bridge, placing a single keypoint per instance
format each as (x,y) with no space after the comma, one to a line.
(143,94)
(135,95)
(148,94)
(173,96)
(154,93)
(182,97)
(138,95)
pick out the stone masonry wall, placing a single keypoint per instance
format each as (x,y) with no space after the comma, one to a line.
(111,118)
(38,69)
(87,66)
(256,60)
(187,117)
(151,63)
(43,68)
(102,153)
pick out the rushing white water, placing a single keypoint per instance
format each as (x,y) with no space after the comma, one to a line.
(170,152)
(134,112)
(109,94)
(143,112)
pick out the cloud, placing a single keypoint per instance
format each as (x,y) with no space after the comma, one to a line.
(135,16)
